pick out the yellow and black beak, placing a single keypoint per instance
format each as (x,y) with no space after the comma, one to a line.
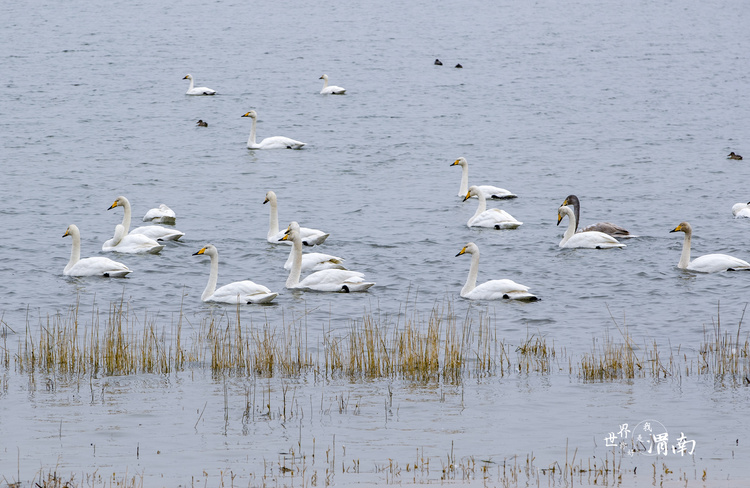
(468,195)
(247,114)
(113,205)
(285,238)
(559,218)
(676,229)
(67,233)
(462,251)
(266,200)
(455,162)
(199,252)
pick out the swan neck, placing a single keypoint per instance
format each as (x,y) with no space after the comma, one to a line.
(577,212)
(571,230)
(191,84)
(294,273)
(482,204)
(251,137)
(126,216)
(471,280)
(464,187)
(685,256)
(213,277)
(325,83)
(75,252)
(273,219)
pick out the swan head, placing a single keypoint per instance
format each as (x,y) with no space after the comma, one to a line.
(473,191)
(119,202)
(270,196)
(460,162)
(683,227)
(562,211)
(188,77)
(208,250)
(72,229)
(292,233)
(252,114)
(324,77)
(571,200)
(470,248)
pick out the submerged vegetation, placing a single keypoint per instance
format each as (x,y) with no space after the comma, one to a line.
(436,348)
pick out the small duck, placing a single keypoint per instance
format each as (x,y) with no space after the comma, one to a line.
(459,65)
(732,155)
(438,62)
(200,123)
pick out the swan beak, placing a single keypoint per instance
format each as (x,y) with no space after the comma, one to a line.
(266,200)
(67,233)
(113,205)
(462,251)
(285,238)
(199,252)
(559,218)
(678,228)
(468,195)
(454,162)
(247,115)
(185,78)
(320,78)
(566,202)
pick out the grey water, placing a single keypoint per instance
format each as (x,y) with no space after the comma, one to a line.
(632,106)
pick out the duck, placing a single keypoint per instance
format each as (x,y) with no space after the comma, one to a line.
(493,218)
(606,227)
(459,65)
(94,266)
(328,280)
(332,89)
(590,239)
(740,210)
(310,237)
(131,243)
(493,289)
(237,292)
(732,155)
(490,192)
(161,215)
(709,263)
(275,142)
(200,123)
(438,62)
(201,90)
(155,232)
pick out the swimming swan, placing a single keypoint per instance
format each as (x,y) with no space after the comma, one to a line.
(606,227)
(590,239)
(131,244)
(160,215)
(741,210)
(310,237)
(96,266)
(494,217)
(490,192)
(710,263)
(332,89)
(237,292)
(493,289)
(155,232)
(201,90)
(331,280)
(275,142)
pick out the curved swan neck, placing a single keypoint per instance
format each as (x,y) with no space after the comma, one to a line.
(464,187)
(75,252)
(294,273)
(251,137)
(325,81)
(471,280)
(685,256)
(212,278)
(572,224)
(126,215)
(482,204)
(191,83)
(273,219)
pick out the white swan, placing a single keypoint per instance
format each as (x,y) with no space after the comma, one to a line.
(494,217)
(237,292)
(275,142)
(131,243)
(315,261)
(606,227)
(490,192)
(710,263)
(332,89)
(589,239)
(332,280)
(161,215)
(493,289)
(155,232)
(96,266)
(740,210)
(200,90)
(310,237)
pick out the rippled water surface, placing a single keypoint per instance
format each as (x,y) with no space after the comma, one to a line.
(631,106)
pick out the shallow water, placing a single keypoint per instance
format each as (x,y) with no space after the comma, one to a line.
(633,107)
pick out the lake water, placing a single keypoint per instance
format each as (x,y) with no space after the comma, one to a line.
(631,106)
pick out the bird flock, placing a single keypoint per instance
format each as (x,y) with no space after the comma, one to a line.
(327,273)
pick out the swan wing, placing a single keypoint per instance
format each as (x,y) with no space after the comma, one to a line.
(500,289)
(162,215)
(495,193)
(591,240)
(741,210)
(333,90)
(278,142)
(98,266)
(714,263)
(335,280)
(201,90)
(607,228)
(158,233)
(496,218)
(134,244)
(316,261)
(242,292)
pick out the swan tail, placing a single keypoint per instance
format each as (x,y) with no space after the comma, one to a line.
(261,298)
